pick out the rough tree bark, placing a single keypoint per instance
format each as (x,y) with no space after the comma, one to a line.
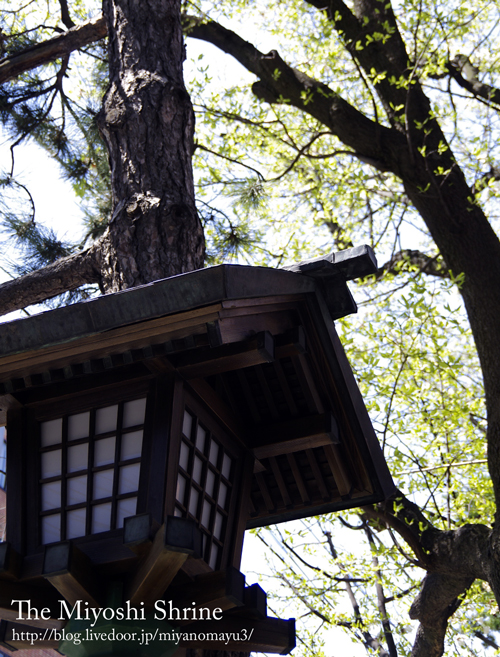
(148,124)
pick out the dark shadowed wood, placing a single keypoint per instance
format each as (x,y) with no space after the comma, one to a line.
(174,542)
(71,572)
(298,434)
(222,589)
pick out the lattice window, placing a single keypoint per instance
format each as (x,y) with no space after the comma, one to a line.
(89,470)
(204,484)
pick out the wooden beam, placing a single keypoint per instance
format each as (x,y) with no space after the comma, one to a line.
(71,572)
(223,589)
(175,541)
(298,478)
(280,481)
(296,435)
(318,476)
(237,355)
(98,345)
(245,635)
(218,406)
(339,471)
(291,343)
(266,495)
(255,603)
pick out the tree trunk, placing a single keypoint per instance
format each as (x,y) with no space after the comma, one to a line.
(147,122)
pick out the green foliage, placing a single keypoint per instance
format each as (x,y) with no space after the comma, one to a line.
(55,106)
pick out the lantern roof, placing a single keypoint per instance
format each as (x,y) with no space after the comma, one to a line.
(257,344)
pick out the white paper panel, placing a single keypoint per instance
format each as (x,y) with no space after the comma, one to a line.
(129,478)
(101,518)
(51,432)
(51,528)
(51,463)
(184,456)
(51,495)
(197,469)
(131,445)
(78,426)
(77,489)
(75,523)
(103,484)
(125,509)
(214,452)
(104,451)
(193,501)
(106,418)
(134,412)
(209,487)
(200,438)
(78,457)
(181,489)
(222,495)
(219,521)
(187,424)
(226,466)
(205,515)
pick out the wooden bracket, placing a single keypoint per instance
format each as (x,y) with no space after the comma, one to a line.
(254,603)
(223,589)
(71,572)
(237,355)
(296,435)
(175,541)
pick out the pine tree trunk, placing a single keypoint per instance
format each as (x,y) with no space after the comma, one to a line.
(148,122)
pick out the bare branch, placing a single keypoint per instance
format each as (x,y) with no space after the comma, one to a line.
(62,276)
(411,259)
(381,599)
(280,83)
(47,51)
(466,75)
(440,597)
(65,17)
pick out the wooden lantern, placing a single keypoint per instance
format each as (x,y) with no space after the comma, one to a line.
(148,428)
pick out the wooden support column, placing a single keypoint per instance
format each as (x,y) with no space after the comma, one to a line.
(71,572)
(175,541)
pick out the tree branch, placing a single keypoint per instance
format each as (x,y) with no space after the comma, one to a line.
(47,51)
(437,601)
(62,276)
(465,75)
(280,83)
(410,258)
